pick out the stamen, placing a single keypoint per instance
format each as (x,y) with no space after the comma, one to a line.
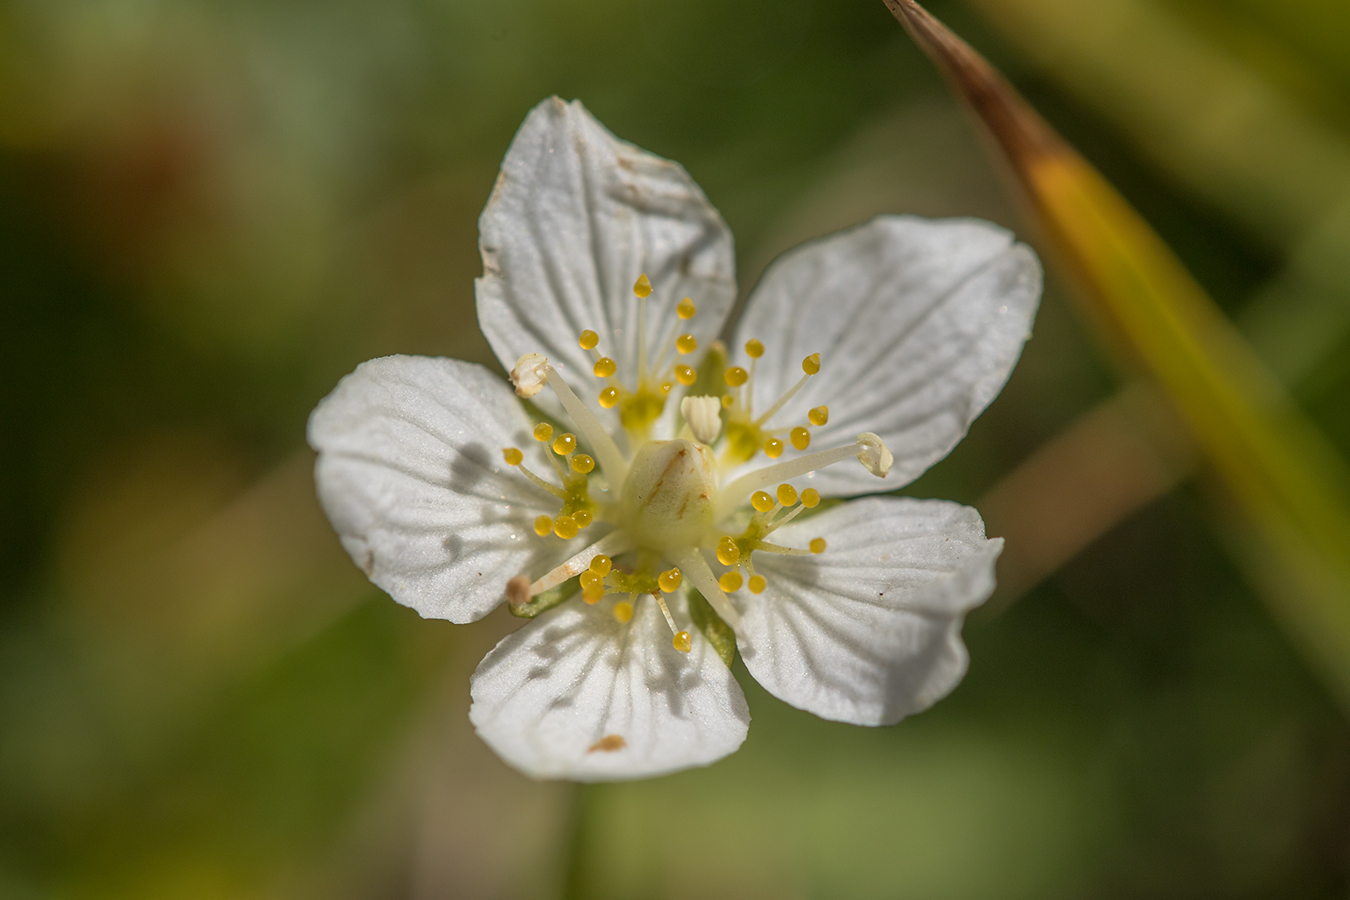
(530,374)
(610,545)
(703,415)
(874,455)
(606,451)
(730,582)
(695,568)
(731,495)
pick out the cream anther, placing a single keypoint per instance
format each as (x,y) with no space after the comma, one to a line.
(874,456)
(530,374)
(703,415)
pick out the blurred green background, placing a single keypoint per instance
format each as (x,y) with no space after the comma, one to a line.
(211,210)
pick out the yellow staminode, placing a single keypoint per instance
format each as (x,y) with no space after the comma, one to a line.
(810,498)
(588,340)
(685,375)
(686,309)
(787,494)
(811,365)
(727,551)
(605,367)
(683,641)
(819,416)
(643,286)
(754,349)
(543,525)
(601,565)
(623,611)
(773,448)
(513,456)
(801,438)
(543,431)
(761,501)
(736,376)
(669,580)
(686,344)
(757,584)
(583,517)
(817,545)
(729,582)
(582,463)
(609,398)
(565,527)
(565,443)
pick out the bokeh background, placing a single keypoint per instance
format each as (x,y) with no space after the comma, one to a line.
(211,210)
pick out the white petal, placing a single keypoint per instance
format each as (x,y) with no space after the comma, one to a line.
(576,216)
(575,694)
(411,475)
(918,324)
(869,631)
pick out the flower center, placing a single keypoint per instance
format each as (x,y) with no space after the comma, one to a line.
(666,509)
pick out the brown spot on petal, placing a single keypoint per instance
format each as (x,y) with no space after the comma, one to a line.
(608,744)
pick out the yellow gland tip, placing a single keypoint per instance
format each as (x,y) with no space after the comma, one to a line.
(683,642)
(758,584)
(727,551)
(736,376)
(593,595)
(801,438)
(666,387)
(601,565)
(669,580)
(811,365)
(643,286)
(604,367)
(565,527)
(623,611)
(761,501)
(773,448)
(565,443)
(730,581)
(728,400)
(543,525)
(590,579)
(686,309)
(543,431)
(754,349)
(819,416)
(817,545)
(609,398)
(583,517)
(686,344)
(588,340)
(810,498)
(582,463)
(513,456)
(787,494)
(685,375)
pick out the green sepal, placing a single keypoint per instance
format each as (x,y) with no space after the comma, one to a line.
(718,633)
(543,602)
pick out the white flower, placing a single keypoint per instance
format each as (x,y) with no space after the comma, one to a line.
(607,276)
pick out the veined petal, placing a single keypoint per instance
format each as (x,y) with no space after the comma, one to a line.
(411,475)
(575,694)
(869,631)
(576,216)
(918,322)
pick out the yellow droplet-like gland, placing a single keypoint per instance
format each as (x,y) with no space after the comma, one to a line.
(589,340)
(565,443)
(818,416)
(810,498)
(727,551)
(811,365)
(543,431)
(685,375)
(583,517)
(787,494)
(757,584)
(761,501)
(643,286)
(773,448)
(609,398)
(623,611)
(513,456)
(686,309)
(754,349)
(686,344)
(817,545)
(669,580)
(601,565)
(730,581)
(565,527)
(582,463)
(736,376)
(683,641)
(604,367)
(543,525)
(801,438)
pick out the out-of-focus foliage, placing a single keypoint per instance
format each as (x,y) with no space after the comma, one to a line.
(210,211)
